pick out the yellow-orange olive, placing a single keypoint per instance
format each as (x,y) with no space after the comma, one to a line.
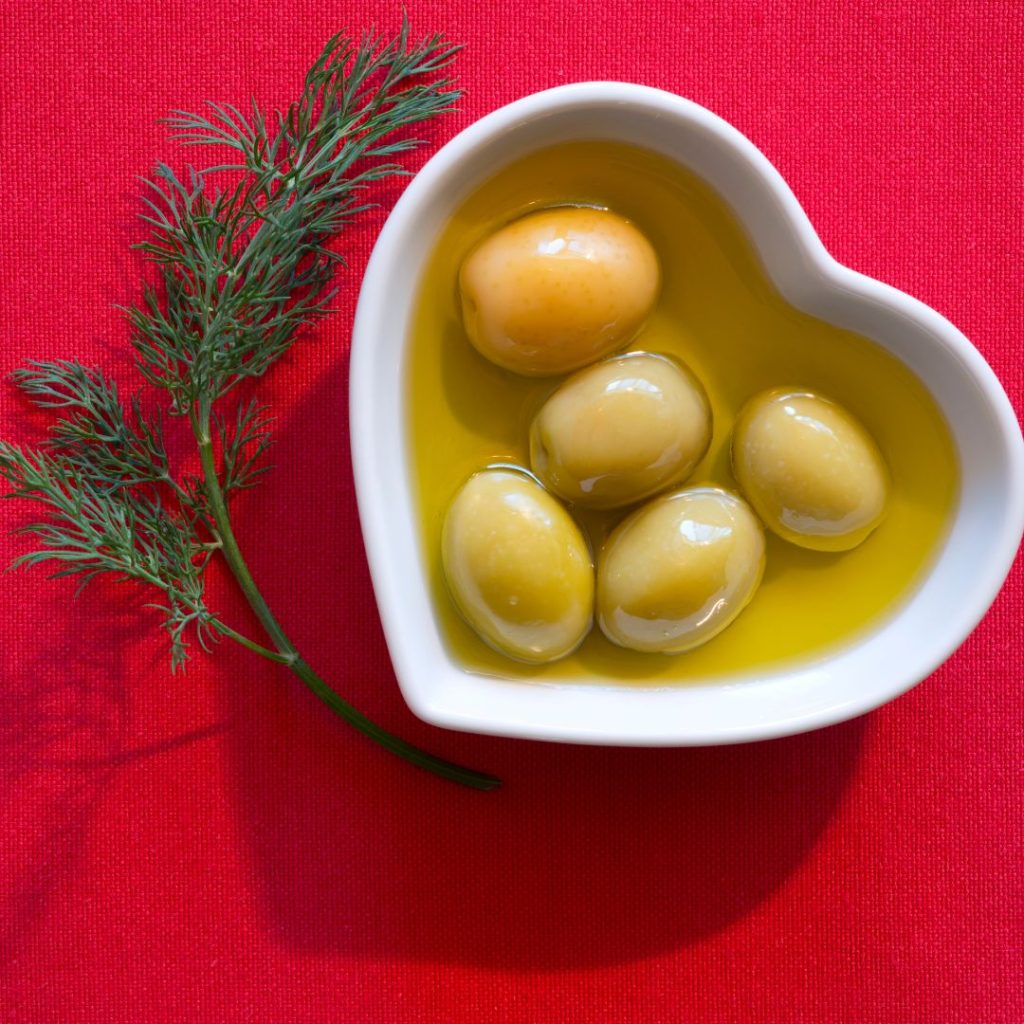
(557,289)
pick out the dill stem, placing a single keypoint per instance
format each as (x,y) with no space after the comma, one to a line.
(266,652)
(286,652)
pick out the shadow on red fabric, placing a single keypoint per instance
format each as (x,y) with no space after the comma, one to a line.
(587,856)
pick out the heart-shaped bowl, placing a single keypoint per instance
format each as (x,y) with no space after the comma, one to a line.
(895,653)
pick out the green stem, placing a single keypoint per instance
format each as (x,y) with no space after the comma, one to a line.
(266,652)
(286,652)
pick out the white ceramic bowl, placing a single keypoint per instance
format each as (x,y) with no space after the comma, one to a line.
(963,581)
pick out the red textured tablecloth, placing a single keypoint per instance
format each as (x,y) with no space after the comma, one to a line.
(216,847)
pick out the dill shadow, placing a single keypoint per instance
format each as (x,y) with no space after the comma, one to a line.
(587,856)
(64,719)
(63,716)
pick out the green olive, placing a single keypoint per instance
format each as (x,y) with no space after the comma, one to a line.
(621,430)
(558,289)
(679,570)
(812,472)
(517,566)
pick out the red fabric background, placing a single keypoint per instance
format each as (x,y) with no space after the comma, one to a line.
(215,847)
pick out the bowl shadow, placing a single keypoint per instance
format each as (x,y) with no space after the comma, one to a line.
(587,856)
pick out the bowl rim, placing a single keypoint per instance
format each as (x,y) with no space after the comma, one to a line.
(452,703)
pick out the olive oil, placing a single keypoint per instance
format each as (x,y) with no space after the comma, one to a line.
(719,313)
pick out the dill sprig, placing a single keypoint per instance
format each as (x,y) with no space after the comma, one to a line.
(243,265)
(93,530)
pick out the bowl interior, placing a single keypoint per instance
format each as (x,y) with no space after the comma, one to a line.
(902,650)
